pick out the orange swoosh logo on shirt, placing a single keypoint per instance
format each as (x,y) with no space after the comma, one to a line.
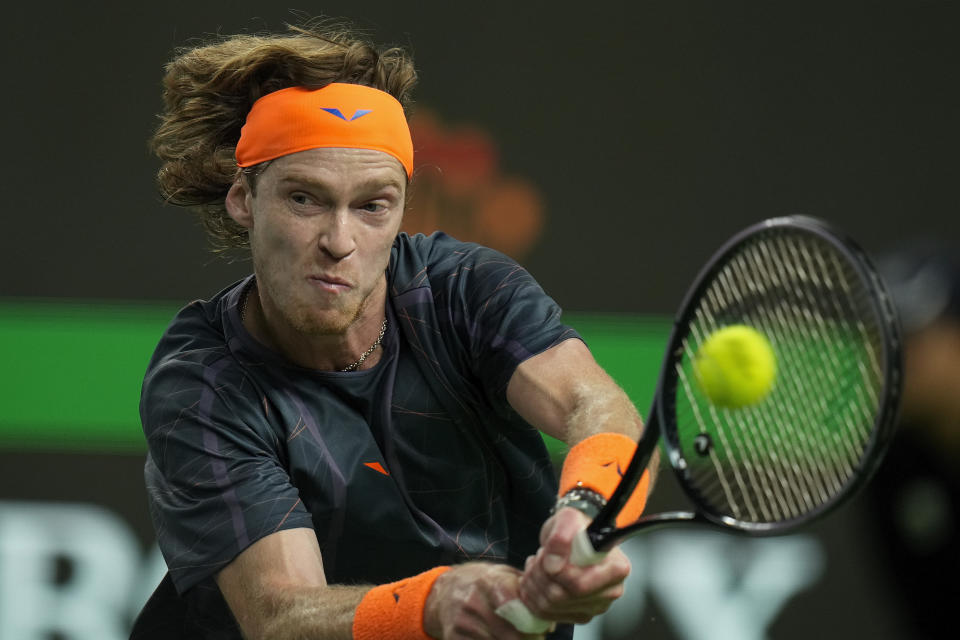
(376,466)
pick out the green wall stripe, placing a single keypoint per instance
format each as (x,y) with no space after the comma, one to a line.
(71,371)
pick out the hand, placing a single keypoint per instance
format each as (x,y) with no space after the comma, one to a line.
(463,600)
(555,589)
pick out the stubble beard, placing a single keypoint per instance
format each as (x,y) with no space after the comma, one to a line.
(310,323)
(305,319)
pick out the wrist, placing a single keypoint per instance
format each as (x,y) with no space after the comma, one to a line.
(596,464)
(396,611)
(585,500)
(432,624)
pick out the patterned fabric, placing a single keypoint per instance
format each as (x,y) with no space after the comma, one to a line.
(416,462)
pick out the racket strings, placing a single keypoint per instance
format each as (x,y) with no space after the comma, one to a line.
(725,485)
(798,448)
(826,362)
(778,502)
(814,329)
(774,465)
(800,306)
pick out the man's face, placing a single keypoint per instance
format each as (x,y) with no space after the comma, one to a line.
(323,223)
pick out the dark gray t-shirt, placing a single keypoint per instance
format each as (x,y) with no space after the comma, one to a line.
(416,462)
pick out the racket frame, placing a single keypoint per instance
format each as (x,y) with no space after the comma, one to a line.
(661,423)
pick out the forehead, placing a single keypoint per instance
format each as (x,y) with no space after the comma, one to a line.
(340,167)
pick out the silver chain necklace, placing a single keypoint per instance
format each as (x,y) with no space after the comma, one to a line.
(356,365)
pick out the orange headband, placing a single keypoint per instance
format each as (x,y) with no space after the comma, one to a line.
(349,116)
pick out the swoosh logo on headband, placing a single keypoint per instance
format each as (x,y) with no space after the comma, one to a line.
(356,114)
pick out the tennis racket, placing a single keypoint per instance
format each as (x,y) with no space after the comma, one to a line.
(820,432)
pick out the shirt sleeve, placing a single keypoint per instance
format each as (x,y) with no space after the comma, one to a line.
(214,473)
(500,313)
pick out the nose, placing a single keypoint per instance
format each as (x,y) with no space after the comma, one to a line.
(337,237)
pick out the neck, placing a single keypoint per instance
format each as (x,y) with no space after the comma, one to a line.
(323,352)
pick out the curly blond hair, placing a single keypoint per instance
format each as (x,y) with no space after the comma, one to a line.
(209,89)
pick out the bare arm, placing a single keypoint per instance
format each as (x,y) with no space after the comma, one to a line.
(276,589)
(566,394)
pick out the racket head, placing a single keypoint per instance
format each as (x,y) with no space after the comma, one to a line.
(822,430)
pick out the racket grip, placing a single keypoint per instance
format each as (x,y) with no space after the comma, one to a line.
(514,611)
(582,552)
(517,614)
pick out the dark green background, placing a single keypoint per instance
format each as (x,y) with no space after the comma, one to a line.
(653,130)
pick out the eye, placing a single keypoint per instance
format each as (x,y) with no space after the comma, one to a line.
(374,207)
(300,198)
(303,204)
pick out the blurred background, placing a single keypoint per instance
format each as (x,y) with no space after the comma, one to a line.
(610,148)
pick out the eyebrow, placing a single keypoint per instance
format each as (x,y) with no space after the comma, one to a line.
(373,184)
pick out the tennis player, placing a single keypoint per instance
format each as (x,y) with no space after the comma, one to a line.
(346,444)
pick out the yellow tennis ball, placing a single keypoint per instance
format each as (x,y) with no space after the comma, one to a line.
(735,366)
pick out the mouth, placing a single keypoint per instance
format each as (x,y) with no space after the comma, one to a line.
(329,283)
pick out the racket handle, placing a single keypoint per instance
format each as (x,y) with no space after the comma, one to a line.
(514,611)
(582,552)
(517,614)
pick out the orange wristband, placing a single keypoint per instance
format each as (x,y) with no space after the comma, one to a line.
(597,463)
(395,611)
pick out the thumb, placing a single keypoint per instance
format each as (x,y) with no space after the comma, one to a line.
(558,538)
(504,585)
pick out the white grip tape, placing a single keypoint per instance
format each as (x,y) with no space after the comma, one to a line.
(582,552)
(514,611)
(517,614)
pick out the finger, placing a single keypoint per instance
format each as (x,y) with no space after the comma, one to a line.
(593,581)
(562,526)
(484,624)
(534,578)
(587,591)
(500,629)
(505,587)
(547,529)
(601,600)
(544,577)
(585,581)
(543,589)
(582,610)
(559,538)
(541,595)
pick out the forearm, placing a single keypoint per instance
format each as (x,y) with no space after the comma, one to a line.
(291,607)
(599,405)
(276,588)
(301,613)
(444,602)
(608,409)
(567,395)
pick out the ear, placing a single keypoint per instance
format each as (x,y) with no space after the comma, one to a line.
(238,203)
